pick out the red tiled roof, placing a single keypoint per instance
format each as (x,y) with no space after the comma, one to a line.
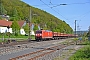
(9,23)
(5,23)
(21,23)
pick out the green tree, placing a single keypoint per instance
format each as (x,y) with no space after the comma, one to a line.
(15,27)
(14,15)
(14,12)
(0,7)
(0,17)
(26,28)
(2,10)
(35,27)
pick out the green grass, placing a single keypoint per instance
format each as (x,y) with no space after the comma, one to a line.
(1,41)
(18,38)
(83,53)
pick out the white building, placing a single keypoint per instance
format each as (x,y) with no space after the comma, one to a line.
(5,29)
(22,31)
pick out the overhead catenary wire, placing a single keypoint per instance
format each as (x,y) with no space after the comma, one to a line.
(85,14)
(50,2)
(79,20)
(68,4)
(44,4)
(54,10)
(56,5)
(81,16)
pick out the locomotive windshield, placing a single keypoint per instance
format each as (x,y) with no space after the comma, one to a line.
(38,31)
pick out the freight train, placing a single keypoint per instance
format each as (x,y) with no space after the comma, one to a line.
(49,35)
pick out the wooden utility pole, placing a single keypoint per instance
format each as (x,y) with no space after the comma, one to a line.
(30,25)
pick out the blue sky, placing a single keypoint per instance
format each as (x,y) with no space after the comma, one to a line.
(74,10)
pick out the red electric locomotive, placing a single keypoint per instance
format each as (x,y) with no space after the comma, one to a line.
(43,35)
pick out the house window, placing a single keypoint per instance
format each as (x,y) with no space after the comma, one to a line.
(22,31)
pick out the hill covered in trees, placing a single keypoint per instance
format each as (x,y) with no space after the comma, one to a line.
(18,10)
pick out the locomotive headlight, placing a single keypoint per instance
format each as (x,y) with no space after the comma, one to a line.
(40,34)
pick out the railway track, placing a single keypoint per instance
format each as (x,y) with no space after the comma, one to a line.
(13,47)
(16,43)
(37,55)
(33,50)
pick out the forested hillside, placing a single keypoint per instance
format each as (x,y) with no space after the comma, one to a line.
(18,10)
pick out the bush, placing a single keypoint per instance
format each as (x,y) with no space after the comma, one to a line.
(82,54)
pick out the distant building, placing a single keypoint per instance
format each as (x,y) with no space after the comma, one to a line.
(21,24)
(6,17)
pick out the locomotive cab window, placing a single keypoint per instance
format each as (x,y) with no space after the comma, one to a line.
(38,31)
